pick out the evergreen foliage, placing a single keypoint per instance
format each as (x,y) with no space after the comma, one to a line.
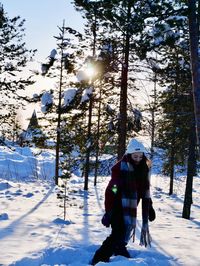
(14,57)
(119,22)
(33,135)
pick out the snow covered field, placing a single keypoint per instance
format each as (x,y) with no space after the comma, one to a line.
(33,231)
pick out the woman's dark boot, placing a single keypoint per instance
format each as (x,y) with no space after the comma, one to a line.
(122,251)
(104,252)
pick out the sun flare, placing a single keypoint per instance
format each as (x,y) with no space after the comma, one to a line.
(90,71)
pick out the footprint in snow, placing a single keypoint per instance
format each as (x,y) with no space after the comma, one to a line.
(17,192)
(28,195)
(61,221)
(4,216)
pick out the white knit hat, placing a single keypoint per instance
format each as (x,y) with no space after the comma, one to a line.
(135,146)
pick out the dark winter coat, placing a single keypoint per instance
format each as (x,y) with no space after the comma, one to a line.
(118,185)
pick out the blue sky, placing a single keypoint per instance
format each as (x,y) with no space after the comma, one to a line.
(42,18)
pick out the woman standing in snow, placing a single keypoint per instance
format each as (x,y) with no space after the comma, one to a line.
(129,183)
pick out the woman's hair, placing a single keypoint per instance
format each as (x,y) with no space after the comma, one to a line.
(142,170)
(144,158)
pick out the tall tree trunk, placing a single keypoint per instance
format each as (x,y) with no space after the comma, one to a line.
(174,135)
(89,140)
(191,171)
(193,16)
(59,110)
(172,160)
(123,92)
(89,137)
(153,109)
(97,140)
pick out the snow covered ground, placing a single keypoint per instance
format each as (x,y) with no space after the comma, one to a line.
(33,231)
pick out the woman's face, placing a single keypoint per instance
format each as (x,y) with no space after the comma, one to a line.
(137,157)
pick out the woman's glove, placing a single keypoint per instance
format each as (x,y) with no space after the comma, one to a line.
(106,219)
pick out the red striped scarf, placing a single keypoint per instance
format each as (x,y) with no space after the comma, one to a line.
(130,200)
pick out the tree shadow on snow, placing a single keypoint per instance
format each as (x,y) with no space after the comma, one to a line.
(11,227)
(56,256)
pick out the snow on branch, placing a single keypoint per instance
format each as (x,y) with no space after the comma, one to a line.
(86,94)
(46,101)
(69,96)
(51,59)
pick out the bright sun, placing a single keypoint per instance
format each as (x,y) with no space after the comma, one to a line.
(90,71)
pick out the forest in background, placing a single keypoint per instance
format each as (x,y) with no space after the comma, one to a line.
(127,47)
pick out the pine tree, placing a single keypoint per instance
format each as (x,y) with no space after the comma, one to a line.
(101,59)
(121,21)
(165,36)
(176,102)
(59,105)
(14,57)
(34,132)
(173,24)
(194,33)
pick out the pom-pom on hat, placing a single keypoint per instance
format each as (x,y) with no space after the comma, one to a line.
(135,146)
